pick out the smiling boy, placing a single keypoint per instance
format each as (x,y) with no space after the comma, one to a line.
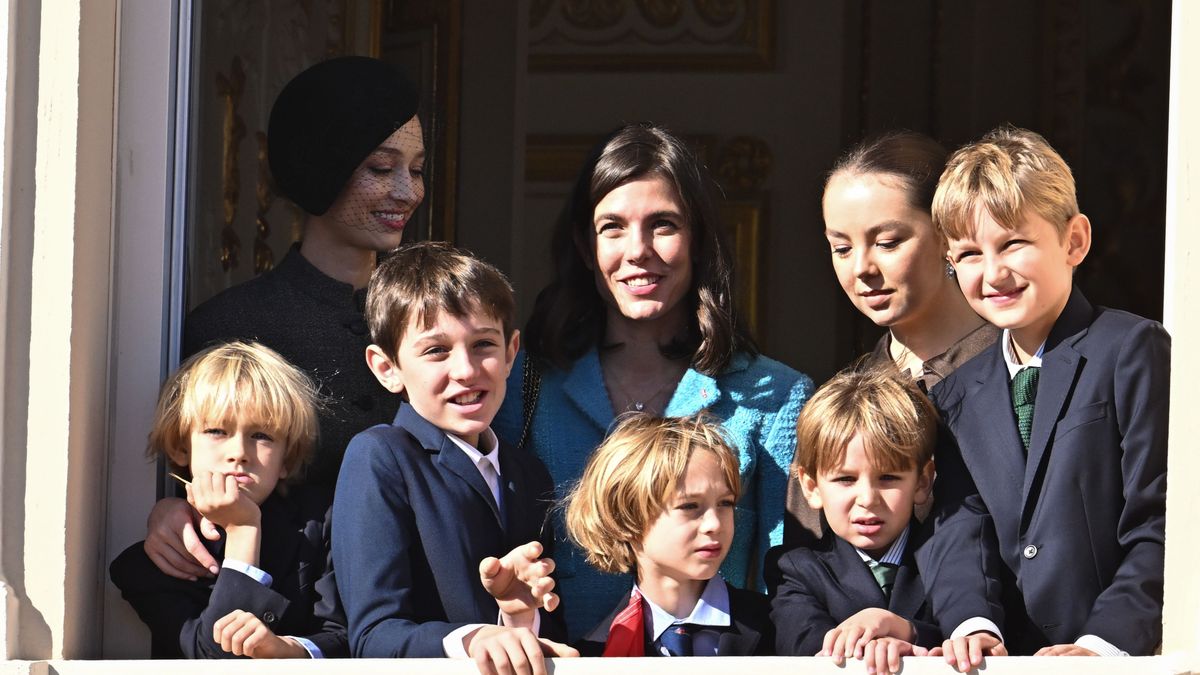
(1063,424)
(421,502)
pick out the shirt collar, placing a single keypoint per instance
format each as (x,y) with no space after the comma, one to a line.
(1010,357)
(894,554)
(711,610)
(487,439)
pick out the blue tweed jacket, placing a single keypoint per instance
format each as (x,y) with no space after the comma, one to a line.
(757,399)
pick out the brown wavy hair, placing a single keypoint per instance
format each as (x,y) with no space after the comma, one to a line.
(569,315)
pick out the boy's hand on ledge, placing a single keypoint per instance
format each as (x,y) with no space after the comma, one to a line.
(1065,650)
(520,581)
(172,543)
(967,652)
(497,649)
(883,654)
(244,634)
(850,638)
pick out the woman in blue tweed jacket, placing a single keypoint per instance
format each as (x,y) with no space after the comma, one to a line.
(640,317)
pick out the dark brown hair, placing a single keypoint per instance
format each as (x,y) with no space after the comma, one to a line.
(569,315)
(430,277)
(915,159)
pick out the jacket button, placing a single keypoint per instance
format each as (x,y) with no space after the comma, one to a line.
(268,617)
(1029,552)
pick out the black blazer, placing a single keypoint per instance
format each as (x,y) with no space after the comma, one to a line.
(750,632)
(1079,523)
(302,599)
(413,518)
(815,589)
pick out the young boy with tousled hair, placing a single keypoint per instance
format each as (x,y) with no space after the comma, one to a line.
(865,461)
(656,500)
(432,504)
(240,420)
(1062,426)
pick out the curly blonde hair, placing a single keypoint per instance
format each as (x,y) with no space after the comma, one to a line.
(629,479)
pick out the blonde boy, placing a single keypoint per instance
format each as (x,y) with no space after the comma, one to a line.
(239,420)
(657,499)
(1062,425)
(865,459)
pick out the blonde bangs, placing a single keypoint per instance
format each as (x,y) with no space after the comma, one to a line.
(243,383)
(630,478)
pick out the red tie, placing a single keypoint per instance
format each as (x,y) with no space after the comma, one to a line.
(627,636)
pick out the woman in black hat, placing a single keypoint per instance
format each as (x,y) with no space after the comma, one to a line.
(346,146)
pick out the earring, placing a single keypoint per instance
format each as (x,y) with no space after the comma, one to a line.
(950,273)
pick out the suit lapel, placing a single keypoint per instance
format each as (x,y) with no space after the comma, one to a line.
(851,574)
(994,455)
(908,594)
(739,640)
(1060,368)
(580,388)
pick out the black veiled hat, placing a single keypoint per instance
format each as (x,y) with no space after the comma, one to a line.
(328,119)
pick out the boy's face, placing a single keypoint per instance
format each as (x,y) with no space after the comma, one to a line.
(690,538)
(867,507)
(1020,279)
(453,372)
(253,455)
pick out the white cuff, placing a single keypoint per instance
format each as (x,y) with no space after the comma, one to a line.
(1099,645)
(249,570)
(536,627)
(452,644)
(314,652)
(976,624)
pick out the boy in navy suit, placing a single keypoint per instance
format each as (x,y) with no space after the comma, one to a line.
(656,501)
(421,503)
(865,459)
(240,419)
(1063,424)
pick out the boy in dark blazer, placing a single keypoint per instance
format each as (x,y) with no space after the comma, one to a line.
(420,503)
(1062,426)
(865,460)
(239,419)
(656,501)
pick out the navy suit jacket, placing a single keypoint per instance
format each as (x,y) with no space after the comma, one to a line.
(1079,521)
(302,599)
(813,590)
(750,632)
(413,518)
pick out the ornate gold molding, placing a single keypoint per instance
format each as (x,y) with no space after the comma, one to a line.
(605,35)
(230,89)
(264,258)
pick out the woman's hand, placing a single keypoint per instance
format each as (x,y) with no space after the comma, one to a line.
(172,543)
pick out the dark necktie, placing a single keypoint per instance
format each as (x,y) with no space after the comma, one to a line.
(677,640)
(885,576)
(1024,393)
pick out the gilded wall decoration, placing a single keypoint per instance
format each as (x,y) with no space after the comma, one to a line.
(652,34)
(230,88)
(741,168)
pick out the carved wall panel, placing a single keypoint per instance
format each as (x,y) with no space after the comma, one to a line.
(659,34)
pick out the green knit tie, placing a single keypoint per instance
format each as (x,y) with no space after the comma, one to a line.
(1024,393)
(885,575)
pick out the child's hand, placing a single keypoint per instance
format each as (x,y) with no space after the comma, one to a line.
(883,654)
(850,638)
(965,653)
(217,497)
(1065,650)
(497,649)
(243,634)
(520,582)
